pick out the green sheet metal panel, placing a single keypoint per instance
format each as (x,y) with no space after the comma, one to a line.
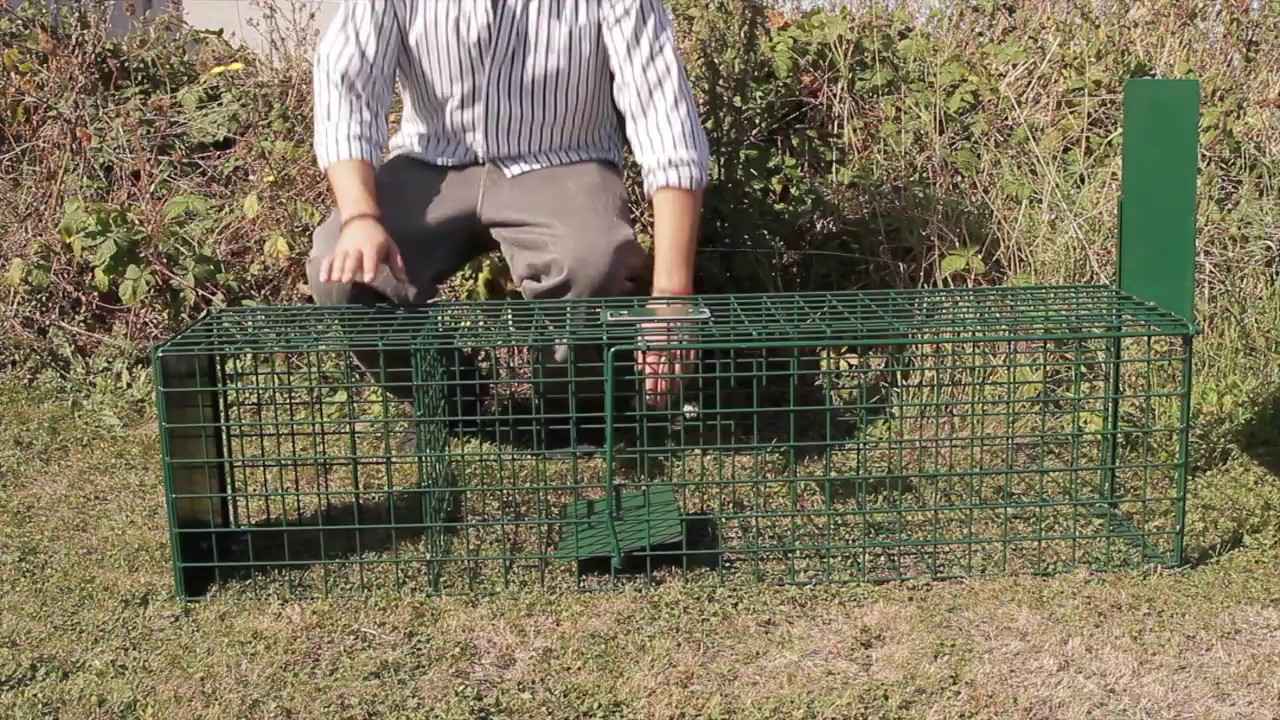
(197,488)
(1157,250)
(645,518)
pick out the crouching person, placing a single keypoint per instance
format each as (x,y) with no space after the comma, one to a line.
(515,120)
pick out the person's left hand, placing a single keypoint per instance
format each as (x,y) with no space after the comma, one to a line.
(663,362)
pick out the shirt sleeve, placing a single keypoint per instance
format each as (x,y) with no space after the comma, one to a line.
(354,81)
(653,93)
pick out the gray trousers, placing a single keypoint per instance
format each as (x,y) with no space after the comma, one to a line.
(564,231)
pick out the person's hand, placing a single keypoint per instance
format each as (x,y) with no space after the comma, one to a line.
(362,245)
(663,362)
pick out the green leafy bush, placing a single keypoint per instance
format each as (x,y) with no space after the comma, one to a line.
(148,178)
(151,177)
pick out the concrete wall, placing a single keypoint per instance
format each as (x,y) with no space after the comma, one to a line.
(245,19)
(238,19)
(121,20)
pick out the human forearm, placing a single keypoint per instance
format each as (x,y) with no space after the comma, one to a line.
(363,241)
(352,182)
(676,215)
(654,96)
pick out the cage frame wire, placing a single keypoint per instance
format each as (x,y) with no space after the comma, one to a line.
(1151,302)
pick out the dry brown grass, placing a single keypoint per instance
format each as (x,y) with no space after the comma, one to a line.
(88,628)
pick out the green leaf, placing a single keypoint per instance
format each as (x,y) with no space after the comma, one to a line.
(964,258)
(881,77)
(252,206)
(1030,380)
(276,247)
(204,267)
(130,292)
(135,285)
(308,215)
(39,277)
(100,280)
(183,205)
(954,263)
(958,99)
(75,220)
(911,47)
(189,99)
(1016,186)
(106,252)
(783,62)
(17,271)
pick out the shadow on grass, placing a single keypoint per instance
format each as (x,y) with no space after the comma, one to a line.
(342,530)
(396,524)
(390,522)
(1259,439)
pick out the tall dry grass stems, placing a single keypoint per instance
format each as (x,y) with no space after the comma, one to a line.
(150,177)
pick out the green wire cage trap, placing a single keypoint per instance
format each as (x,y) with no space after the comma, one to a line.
(856,436)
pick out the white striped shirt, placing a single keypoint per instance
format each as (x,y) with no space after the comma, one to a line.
(521,84)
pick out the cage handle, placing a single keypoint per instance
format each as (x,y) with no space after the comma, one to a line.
(677,313)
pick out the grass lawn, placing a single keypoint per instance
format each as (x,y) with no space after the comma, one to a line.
(868,149)
(88,627)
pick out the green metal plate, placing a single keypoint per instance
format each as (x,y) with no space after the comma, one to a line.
(1157,255)
(1120,526)
(645,518)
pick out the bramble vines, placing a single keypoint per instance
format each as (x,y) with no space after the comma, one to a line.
(150,177)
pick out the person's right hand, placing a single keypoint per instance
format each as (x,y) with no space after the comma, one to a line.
(362,246)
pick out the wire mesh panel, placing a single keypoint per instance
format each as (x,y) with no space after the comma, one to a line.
(929,459)
(860,436)
(312,451)
(282,454)
(471,447)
